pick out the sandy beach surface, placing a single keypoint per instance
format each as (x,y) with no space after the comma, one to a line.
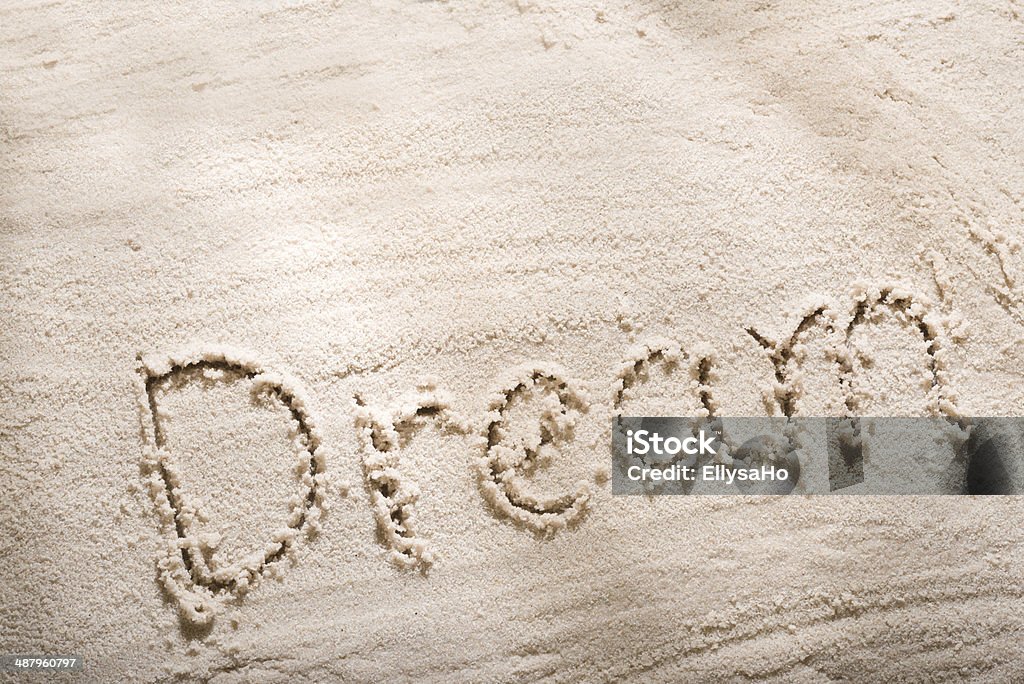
(315,316)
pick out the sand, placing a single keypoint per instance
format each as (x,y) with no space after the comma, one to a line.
(315,317)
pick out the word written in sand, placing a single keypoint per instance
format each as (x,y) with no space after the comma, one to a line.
(507,463)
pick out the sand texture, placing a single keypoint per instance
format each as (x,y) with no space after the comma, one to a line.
(315,316)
